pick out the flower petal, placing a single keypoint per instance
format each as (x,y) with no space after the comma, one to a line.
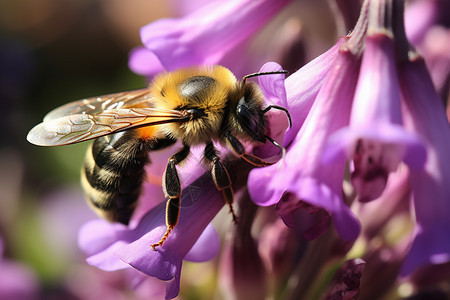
(303,86)
(207,34)
(273,85)
(206,247)
(144,62)
(310,220)
(97,235)
(375,138)
(419,17)
(426,115)
(165,262)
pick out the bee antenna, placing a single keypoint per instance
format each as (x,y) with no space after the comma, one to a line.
(244,79)
(275,143)
(280,108)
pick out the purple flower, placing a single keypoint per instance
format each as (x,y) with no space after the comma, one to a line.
(346,281)
(425,115)
(16,280)
(302,172)
(103,242)
(375,138)
(420,15)
(435,50)
(394,201)
(278,247)
(202,37)
(312,221)
(426,25)
(303,86)
(114,246)
(386,227)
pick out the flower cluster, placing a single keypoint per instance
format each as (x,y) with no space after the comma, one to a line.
(369,133)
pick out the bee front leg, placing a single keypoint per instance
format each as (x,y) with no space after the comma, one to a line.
(220,177)
(172,189)
(237,147)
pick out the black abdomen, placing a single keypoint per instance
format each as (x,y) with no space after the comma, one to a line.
(113,173)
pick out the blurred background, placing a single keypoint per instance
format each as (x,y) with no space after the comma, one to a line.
(53,52)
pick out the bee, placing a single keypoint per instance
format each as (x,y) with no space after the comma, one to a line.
(199,106)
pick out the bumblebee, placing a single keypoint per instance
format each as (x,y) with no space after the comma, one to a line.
(198,106)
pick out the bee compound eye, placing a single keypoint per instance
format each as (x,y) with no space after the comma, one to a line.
(247,118)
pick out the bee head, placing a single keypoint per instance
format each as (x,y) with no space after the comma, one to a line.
(249,111)
(250,115)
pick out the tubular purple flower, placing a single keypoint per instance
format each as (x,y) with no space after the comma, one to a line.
(420,15)
(113,246)
(314,182)
(393,202)
(425,115)
(346,280)
(301,96)
(311,221)
(243,275)
(207,34)
(375,138)
(278,247)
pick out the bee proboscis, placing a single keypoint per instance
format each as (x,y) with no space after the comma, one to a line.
(198,106)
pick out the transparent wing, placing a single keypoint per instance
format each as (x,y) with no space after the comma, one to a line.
(79,127)
(95,105)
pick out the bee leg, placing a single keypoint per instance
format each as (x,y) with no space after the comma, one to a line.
(220,177)
(172,189)
(239,149)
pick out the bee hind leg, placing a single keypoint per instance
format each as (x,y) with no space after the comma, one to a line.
(221,177)
(172,189)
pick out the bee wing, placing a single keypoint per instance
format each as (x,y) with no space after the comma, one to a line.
(96,105)
(74,128)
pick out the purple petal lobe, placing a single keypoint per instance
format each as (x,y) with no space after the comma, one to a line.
(144,62)
(311,220)
(97,235)
(209,33)
(141,256)
(206,247)
(273,85)
(107,259)
(173,286)
(257,182)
